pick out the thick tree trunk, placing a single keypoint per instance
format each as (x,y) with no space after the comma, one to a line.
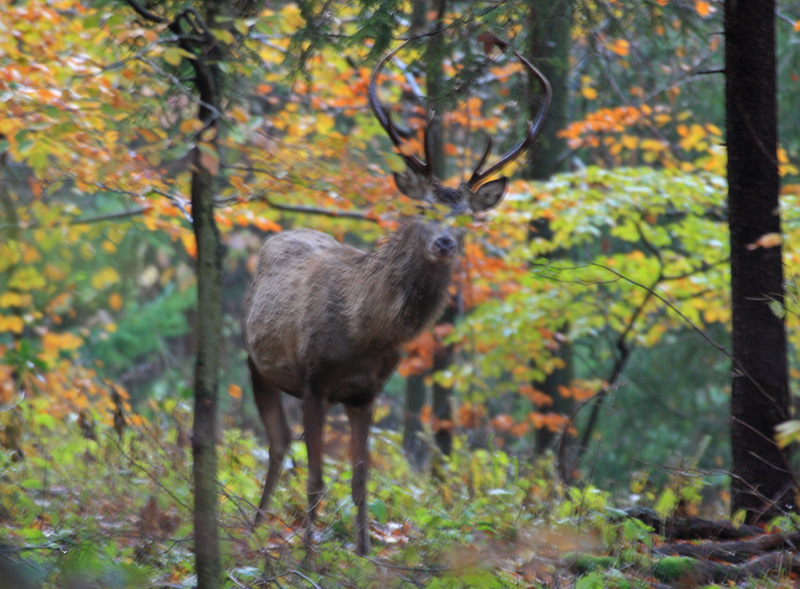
(761,480)
(549,24)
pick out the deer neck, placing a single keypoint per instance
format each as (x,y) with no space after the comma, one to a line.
(408,290)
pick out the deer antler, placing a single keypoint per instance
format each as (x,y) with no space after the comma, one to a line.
(425,168)
(384,118)
(534,128)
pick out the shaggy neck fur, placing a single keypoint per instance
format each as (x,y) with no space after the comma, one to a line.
(408,291)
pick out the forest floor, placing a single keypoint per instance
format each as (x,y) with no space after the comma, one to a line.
(86,504)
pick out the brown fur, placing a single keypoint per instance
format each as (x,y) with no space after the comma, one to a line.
(325,322)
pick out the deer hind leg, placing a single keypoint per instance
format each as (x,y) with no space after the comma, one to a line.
(360,420)
(313,424)
(270,407)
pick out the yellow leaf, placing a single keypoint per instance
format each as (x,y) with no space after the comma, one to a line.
(173,56)
(239,114)
(208,134)
(589,93)
(241,26)
(26,279)
(13,324)
(105,277)
(190,126)
(11,299)
(224,36)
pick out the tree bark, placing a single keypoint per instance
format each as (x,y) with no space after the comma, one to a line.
(207,79)
(413,446)
(549,24)
(442,409)
(210,253)
(761,479)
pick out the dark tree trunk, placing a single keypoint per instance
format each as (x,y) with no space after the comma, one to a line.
(761,479)
(416,391)
(549,24)
(444,357)
(413,445)
(207,79)
(442,408)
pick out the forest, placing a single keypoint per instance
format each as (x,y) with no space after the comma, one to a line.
(606,395)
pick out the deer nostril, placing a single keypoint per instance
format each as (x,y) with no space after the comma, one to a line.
(444,246)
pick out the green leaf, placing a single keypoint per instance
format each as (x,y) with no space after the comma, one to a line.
(378,509)
(224,35)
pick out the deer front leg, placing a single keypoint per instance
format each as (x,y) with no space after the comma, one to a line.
(313,423)
(270,407)
(360,420)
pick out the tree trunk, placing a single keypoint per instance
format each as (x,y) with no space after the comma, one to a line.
(444,357)
(413,446)
(761,479)
(208,323)
(207,78)
(442,408)
(549,25)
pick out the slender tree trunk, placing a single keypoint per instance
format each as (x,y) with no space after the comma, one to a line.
(442,409)
(413,446)
(416,391)
(761,479)
(209,323)
(207,77)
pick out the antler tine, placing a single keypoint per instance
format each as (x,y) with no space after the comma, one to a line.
(428,140)
(386,122)
(484,157)
(534,128)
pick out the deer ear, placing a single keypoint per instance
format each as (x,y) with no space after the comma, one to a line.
(411,184)
(488,196)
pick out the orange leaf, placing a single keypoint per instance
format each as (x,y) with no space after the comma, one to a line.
(235,391)
(703,8)
(115,301)
(503,422)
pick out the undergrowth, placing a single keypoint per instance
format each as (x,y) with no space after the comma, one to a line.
(85,504)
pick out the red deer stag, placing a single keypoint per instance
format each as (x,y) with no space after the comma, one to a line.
(325,322)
